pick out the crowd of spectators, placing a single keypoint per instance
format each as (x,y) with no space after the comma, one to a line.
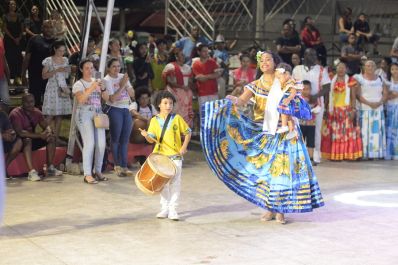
(352,103)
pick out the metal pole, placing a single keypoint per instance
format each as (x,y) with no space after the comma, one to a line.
(122,21)
(166,17)
(107,31)
(260,21)
(87,31)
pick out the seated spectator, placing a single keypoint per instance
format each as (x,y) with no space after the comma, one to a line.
(351,56)
(58,23)
(394,51)
(142,111)
(114,51)
(12,144)
(345,25)
(296,59)
(312,39)
(365,36)
(385,64)
(292,24)
(252,51)
(33,23)
(288,44)
(91,54)
(24,121)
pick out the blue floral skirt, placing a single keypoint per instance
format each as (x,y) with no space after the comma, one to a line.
(267,170)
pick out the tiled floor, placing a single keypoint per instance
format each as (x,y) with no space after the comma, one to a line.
(64,221)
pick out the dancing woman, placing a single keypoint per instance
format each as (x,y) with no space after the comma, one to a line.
(251,158)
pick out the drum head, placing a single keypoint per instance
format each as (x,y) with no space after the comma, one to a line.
(162,165)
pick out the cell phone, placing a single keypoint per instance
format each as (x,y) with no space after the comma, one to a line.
(97,75)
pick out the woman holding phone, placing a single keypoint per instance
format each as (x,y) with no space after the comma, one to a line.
(118,95)
(57,102)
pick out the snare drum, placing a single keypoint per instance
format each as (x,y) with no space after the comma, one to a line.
(155,173)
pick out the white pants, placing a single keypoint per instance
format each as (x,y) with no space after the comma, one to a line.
(93,140)
(171,192)
(318,135)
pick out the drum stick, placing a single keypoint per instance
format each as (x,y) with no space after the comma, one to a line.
(155,140)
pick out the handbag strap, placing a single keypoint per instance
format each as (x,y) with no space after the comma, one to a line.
(164,129)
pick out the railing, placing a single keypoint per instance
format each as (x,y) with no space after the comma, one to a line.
(71,17)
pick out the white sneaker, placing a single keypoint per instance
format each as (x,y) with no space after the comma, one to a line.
(52,171)
(173,215)
(33,176)
(163,214)
(282,129)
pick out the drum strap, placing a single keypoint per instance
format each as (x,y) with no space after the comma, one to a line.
(166,122)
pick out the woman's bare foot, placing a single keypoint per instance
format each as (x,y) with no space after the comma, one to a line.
(268,216)
(280,218)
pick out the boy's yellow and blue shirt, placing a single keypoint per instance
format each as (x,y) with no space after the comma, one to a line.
(171,143)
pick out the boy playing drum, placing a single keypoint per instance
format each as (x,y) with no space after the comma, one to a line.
(169,143)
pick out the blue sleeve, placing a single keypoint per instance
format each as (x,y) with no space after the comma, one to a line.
(180,43)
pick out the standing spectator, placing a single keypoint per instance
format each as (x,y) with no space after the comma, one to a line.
(114,51)
(12,144)
(288,44)
(312,39)
(4,74)
(372,94)
(178,77)
(365,36)
(345,25)
(33,23)
(158,63)
(243,75)
(320,86)
(253,59)
(222,58)
(88,95)
(384,68)
(142,67)
(392,115)
(118,96)
(296,59)
(58,23)
(341,138)
(24,120)
(38,48)
(394,51)
(57,101)
(204,70)
(351,56)
(13,28)
(188,44)
(91,54)
(292,24)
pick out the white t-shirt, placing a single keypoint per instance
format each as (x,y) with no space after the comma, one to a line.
(112,85)
(312,74)
(145,112)
(371,90)
(95,97)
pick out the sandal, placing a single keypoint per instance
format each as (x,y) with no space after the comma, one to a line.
(268,216)
(93,181)
(100,177)
(280,218)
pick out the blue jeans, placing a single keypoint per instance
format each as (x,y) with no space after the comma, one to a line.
(120,125)
(93,140)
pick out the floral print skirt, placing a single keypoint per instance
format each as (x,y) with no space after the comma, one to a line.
(267,170)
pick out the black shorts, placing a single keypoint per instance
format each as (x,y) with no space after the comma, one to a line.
(308,135)
(38,143)
(7,146)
